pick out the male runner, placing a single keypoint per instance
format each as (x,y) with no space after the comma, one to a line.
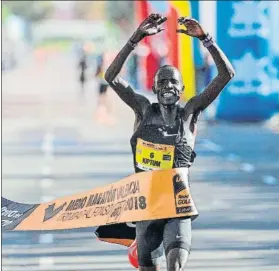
(166,123)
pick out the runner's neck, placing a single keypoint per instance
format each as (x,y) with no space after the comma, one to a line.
(169,113)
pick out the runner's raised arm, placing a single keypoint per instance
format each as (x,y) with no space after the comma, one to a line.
(224,67)
(150,26)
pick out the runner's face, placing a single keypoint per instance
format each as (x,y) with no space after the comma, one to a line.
(169,85)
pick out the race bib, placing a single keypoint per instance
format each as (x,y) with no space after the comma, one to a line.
(151,156)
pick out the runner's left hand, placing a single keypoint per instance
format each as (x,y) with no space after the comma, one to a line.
(193,27)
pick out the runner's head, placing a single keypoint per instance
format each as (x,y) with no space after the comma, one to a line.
(168,85)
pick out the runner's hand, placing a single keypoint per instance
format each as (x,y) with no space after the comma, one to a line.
(193,27)
(150,26)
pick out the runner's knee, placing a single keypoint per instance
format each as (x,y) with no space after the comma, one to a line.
(149,256)
(149,235)
(149,261)
(178,235)
(177,259)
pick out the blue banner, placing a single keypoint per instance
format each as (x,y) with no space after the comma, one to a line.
(197,52)
(243,32)
(274,47)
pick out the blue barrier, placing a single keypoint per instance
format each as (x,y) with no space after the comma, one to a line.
(243,32)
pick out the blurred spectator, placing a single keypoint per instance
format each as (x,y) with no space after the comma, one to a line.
(83,68)
(132,70)
(103,105)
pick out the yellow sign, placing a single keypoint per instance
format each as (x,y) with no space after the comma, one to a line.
(186,55)
(150,156)
(143,196)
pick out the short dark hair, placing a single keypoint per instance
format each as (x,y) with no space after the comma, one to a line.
(167,66)
(164,67)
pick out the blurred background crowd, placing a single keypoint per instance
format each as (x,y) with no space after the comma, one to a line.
(96,31)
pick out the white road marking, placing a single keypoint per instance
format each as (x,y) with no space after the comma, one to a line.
(45,262)
(209,145)
(46,171)
(246,167)
(270,180)
(46,238)
(46,183)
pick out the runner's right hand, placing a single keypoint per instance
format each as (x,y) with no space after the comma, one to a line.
(150,26)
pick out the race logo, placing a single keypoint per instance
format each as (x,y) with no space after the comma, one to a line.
(50,212)
(250,18)
(9,216)
(181,195)
(251,77)
(13,213)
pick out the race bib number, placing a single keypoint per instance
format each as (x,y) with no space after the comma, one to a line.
(151,156)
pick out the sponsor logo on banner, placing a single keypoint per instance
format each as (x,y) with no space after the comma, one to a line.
(135,198)
(10,213)
(251,76)
(13,213)
(250,18)
(181,195)
(9,216)
(50,212)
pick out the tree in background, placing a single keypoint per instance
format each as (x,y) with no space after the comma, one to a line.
(115,12)
(90,10)
(5,13)
(122,14)
(29,10)
(117,15)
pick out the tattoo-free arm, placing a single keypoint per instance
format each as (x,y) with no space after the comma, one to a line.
(136,101)
(225,74)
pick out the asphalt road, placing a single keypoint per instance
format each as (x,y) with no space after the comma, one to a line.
(53,145)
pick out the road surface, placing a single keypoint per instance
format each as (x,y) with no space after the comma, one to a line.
(53,146)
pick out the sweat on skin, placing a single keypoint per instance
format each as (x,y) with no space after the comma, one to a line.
(168,86)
